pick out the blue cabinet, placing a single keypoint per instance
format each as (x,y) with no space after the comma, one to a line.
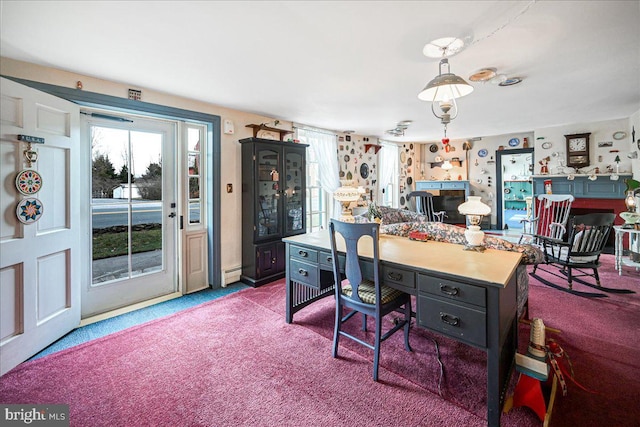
(582,187)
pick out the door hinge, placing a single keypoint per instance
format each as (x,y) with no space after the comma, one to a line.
(181,222)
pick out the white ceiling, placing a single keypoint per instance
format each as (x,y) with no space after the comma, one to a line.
(350,64)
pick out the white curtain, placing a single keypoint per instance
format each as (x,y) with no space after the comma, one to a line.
(388,156)
(325,146)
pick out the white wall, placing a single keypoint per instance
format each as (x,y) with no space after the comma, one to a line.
(230,148)
(231,256)
(634,123)
(600,132)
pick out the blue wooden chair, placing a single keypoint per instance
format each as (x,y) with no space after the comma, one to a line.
(361,295)
(424,205)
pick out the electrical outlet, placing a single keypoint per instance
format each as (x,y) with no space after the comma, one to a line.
(229,188)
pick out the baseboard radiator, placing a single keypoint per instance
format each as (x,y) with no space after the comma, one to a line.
(230,275)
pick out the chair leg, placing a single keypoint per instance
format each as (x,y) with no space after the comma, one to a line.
(336,330)
(569,278)
(364,322)
(535,267)
(376,348)
(407,325)
(596,276)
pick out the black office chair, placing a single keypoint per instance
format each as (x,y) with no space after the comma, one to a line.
(361,295)
(588,235)
(424,205)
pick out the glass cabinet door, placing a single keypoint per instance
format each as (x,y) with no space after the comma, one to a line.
(294,180)
(268,193)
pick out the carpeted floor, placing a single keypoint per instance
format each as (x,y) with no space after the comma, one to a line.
(124,321)
(234,361)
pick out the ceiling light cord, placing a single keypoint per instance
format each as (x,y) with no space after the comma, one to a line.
(509,22)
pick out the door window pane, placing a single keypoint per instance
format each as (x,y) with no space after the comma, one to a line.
(126,203)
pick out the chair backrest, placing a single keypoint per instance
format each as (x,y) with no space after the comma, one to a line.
(552,215)
(589,233)
(351,233)
(424,205)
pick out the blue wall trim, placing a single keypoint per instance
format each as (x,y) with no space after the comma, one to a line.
(98,100)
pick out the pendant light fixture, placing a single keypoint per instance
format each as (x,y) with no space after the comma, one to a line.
(442,92)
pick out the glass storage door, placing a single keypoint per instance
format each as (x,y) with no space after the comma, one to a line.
(294,181)
(268,193)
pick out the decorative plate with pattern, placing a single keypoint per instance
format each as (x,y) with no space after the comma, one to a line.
(28,182)
(29,210)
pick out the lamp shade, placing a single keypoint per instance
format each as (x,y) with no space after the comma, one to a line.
(474,206)
(346,194)
(445,86)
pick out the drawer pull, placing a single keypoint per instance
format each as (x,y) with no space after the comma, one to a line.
(303,253)
(449,319)
(449,290)
(303,272)
(394,276)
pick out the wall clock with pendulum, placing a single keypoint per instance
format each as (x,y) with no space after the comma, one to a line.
(578,150)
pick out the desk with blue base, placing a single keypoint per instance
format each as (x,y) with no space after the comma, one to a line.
(465,295)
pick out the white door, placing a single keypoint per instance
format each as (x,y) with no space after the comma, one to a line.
(131,191)
(39,256)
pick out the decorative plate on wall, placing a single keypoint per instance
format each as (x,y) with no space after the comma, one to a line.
(364,170)
(483,152)
(546,145)
(619,135)
(514,142)
(403,157)
(28,182)
(433,148)
(29,210)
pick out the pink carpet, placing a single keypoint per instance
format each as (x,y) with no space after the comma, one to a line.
(234,361)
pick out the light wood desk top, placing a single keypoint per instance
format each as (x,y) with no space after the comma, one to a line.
(492,266)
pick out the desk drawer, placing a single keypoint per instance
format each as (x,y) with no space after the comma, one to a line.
(309,255)
(398,278)
(459,322)
(453,290)
(303,272)
(326,259)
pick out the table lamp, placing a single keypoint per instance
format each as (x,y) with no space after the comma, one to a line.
(346,195)
(474,210)
(632,216)
(447,166)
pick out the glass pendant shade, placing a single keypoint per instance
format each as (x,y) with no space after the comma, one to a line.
(442,92)
(445,86)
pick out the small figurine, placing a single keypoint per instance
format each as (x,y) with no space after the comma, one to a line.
(544,169)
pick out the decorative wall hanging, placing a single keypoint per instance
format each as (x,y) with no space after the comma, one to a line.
(29,210)
(514,142)
(28,182)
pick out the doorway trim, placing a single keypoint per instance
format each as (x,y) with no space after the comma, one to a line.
(98,100)
(500,179)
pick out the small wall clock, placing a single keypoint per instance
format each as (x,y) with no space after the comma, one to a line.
(578,150)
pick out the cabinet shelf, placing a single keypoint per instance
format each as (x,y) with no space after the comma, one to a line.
(258,128)
(455,163)
(375,147)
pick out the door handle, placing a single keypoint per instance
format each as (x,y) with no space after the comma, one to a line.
(172,215)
